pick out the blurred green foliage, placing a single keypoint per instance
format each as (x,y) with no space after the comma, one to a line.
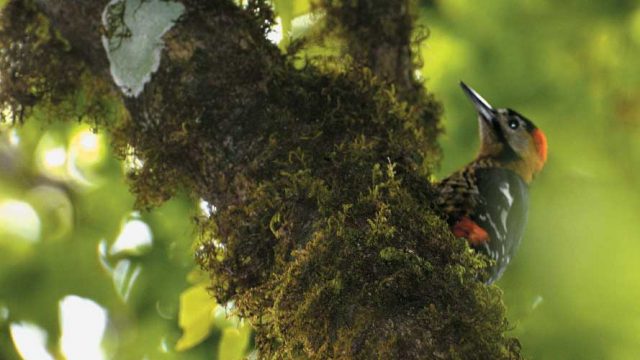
(572,290)
(64,205)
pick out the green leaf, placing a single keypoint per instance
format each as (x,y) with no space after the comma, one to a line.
(234,342)
(197,313)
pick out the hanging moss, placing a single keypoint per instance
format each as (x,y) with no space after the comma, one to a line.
(325,237)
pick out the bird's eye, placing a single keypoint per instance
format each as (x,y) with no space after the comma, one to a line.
(513,124)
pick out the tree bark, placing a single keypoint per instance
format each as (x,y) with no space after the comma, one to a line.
(325,237)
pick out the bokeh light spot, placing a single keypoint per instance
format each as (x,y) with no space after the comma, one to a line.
(86,147)
(51,157)
(135,238)
(30,341)
(19,219)
(275,34)
(55,157)
(82,324)
(206,208)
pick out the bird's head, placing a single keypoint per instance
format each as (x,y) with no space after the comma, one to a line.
(509,137)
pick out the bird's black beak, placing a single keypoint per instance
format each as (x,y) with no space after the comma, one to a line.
(482,106)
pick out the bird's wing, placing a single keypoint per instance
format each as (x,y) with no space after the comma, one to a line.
(502,212)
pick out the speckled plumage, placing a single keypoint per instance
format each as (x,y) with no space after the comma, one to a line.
(486,201)
(493,197)
(458,194)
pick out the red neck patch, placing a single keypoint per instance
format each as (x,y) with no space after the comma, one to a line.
(541,144)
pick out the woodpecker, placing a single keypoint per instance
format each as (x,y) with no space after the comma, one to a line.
(486,201)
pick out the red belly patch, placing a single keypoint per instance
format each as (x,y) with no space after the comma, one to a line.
(468,229)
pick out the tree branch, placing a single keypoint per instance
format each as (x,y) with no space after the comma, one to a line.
(378,35)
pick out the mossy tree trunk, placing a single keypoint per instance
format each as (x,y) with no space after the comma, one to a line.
(325,236)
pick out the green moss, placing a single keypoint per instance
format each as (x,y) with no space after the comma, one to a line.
(335,250)
(31,52)
(43,78)
(325,237)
